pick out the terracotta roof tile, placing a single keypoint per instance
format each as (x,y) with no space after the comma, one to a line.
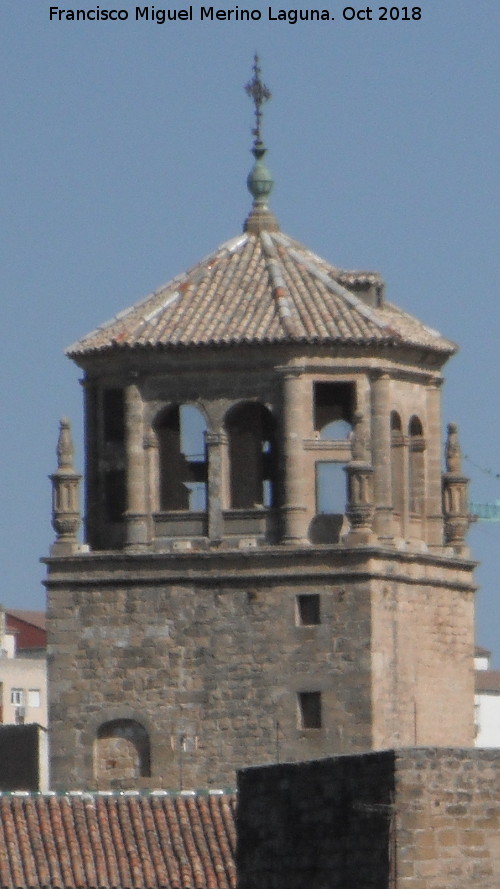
(117,841)
(36,618)
(261,288)
(481,652)
(488,681)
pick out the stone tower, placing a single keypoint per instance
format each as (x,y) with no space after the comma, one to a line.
(274,565)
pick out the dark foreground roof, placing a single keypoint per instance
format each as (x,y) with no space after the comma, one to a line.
(117,841)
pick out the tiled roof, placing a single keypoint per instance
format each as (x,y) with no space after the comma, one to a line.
(117,841)
(481,652)
(29,628)
(261,288)
(36,618)
(488,681)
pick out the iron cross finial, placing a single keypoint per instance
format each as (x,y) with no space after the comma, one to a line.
(259,93)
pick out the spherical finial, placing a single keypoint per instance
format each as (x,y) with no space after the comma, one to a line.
(259,182)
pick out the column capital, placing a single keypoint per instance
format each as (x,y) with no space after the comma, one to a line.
(291,371)
(380,376)
(150,440)
(212,439)
(132,377)
(435,382)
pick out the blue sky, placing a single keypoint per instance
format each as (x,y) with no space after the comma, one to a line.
(124,157)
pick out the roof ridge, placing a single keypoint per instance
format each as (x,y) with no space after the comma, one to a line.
(280,291)
(341,291)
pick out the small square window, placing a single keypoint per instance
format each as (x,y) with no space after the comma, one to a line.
(34,697)
(17,697)
(310,709)
(308,610)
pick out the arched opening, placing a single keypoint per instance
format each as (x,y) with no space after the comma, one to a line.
(252,456)
(396,425)
(416,466)
(333,410)
(121,752)
(415,427)
(182,457)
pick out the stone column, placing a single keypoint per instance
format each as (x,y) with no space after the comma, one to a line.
(381,456)
(216,444)
(405,515)
(433,504)
(294,510)
(135,515)
(398,480)
(152,476)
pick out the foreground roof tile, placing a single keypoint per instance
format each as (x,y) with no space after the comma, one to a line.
(117,841)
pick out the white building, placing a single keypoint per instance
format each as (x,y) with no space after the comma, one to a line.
(23,668)
(487,701)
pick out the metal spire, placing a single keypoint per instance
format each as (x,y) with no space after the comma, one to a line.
(259,92)
(259,182)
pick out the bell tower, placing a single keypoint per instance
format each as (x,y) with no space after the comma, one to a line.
(274,563)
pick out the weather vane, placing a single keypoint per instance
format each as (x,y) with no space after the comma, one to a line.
(259,93)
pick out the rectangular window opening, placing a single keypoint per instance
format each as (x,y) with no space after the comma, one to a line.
(34,697)
(114,415)
(334,405)
(114,495)
(310,709)
(308,610)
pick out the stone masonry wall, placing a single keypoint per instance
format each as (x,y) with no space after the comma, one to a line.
(422,661)
(213,668)
(422,818)
(206,654)
(448,819)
